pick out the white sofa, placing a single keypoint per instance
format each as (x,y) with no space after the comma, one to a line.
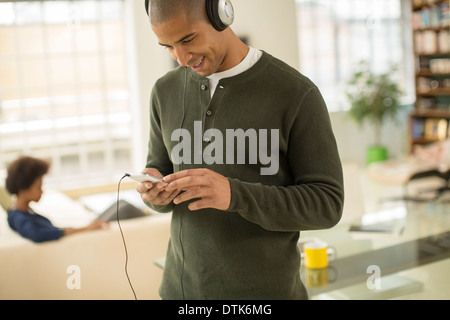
(85,266)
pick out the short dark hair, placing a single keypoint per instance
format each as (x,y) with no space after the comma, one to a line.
(160,11)
(23,172)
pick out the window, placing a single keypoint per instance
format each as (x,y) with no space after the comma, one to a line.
(64,92)
(335,35)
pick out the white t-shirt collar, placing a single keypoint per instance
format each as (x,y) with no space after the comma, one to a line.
(249,61)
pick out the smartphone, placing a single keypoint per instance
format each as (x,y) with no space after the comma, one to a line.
(142,177)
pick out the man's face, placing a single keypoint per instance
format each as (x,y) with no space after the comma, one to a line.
(195,44)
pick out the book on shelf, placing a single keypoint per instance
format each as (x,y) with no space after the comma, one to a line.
(422,63)
(440,65)
(432,42)
(445,15)
(426,42)
(432,14)
(425,85)
(444,41)
(418,128)
(429,66)
(436,129)
(424,104)
(430,85)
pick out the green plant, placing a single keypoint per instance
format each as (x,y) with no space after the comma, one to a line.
(374,98)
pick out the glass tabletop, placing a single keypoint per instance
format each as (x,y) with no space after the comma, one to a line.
(418,235)
(368,265)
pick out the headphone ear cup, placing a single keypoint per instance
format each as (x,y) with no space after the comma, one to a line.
(220,13)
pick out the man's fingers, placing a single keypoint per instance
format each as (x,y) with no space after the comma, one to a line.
(187,179)
(210,189)
(159,198)
(143,187)
(152,172)
(185,173)
(189,195)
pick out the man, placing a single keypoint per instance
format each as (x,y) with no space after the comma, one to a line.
(245,145)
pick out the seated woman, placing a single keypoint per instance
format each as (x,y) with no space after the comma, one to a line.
(24,180)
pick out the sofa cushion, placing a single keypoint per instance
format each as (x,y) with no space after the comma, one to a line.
(6,199)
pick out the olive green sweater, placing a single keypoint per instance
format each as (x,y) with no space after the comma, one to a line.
(250,250)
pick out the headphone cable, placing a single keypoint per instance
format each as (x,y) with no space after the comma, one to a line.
(123,238)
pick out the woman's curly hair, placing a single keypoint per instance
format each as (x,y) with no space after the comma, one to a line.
(23,172)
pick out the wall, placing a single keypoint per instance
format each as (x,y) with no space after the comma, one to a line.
(270,25)
(353,140)
(148,61)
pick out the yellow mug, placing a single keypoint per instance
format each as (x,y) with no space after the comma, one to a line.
(316,254)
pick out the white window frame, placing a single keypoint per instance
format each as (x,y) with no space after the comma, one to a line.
(68,137)
(378,31)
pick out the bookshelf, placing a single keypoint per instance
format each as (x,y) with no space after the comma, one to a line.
(430,119)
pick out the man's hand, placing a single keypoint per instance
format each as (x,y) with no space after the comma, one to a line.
(155,193)
(210,188)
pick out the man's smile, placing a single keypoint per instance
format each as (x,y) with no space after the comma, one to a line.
(199,64)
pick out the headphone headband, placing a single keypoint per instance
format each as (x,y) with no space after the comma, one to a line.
(220,13)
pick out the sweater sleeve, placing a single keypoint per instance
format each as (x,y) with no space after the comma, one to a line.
(314,200)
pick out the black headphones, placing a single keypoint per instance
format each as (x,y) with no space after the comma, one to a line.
(220,13)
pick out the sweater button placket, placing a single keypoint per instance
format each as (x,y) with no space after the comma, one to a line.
(206,140)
